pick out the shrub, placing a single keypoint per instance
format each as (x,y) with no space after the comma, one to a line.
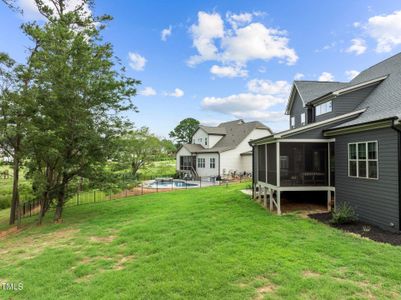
(344,214)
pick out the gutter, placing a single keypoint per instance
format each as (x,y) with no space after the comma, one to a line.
(399,171)
(376,124)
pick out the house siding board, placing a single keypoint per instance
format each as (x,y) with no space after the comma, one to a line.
(375,201)
(296,111)
(346,103)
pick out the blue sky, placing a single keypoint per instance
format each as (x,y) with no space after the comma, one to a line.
(221,60)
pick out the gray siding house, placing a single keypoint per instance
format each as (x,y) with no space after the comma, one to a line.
(344,140)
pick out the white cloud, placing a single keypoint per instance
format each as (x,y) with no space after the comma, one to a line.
(351,74)
(166,32)
(136,61)
(209,27)
(386,30)
(239,19)
(228,71)
(30,11)
(244,102)
(298,76)
(358,46)
(263,101)
(176,93)
(237,45)
(326,76)
(148,91)
(267,87)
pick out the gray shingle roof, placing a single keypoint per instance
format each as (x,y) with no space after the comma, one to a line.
(213,130)
(235,132)
(310,90)
(385,100)
(193,147)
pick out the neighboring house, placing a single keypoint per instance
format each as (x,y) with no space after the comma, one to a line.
(221,150)
(344,138)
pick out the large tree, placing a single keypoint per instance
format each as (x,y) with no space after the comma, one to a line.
(80,90)
(137,149)
(184,131)
(13,113)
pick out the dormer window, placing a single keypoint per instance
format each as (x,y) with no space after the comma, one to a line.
(324,108)
(205,141)
(303,119)
(292,122)
(200,140)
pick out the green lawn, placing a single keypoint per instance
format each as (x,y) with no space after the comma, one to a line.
(210,243)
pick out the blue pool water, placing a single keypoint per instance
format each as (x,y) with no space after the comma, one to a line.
(176,184)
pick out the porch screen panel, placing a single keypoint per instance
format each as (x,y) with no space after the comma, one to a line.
(261,163)
(304,164)
(271,164)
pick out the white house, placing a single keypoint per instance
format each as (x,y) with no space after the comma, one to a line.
(221,150)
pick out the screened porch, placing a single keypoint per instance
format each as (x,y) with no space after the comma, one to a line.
(300,164)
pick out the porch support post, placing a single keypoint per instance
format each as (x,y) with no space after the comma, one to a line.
(265,198)
(278,163)
(328,164)
(271,199)
(278,202)
(260,193)
(254,191)
(329,200)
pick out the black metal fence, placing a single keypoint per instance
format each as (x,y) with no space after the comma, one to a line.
(30,208)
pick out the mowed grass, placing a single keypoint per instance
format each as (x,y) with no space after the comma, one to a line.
(210,243)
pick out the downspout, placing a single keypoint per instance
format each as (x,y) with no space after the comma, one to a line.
(399,172)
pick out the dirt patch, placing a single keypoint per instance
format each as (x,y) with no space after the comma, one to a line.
(102,239)
(9,231)
(120,265)
(361,229)
(309,274)
(263,290)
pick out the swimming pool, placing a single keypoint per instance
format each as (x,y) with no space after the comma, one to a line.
(176,184)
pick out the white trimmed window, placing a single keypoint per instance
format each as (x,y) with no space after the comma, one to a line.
(363,160)
(200,140)
(212,163)
(303,119)
(201,162)
(324,108)
(292,122)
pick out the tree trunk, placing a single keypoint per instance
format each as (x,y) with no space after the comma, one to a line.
(60,205)
(15,195)
(43,207)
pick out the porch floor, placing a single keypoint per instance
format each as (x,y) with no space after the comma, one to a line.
(300,201)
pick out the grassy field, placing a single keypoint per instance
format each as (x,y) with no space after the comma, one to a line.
(210,243)
(166,168)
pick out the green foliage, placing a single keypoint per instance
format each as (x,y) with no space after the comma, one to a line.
(344,214)
(137,149)
(185,130)
(209,243)
(77,90)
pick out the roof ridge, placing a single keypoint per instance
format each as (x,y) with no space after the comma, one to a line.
(319,81)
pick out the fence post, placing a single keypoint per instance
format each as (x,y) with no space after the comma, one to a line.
(142,188)
(200,182)
(109,195)
(157,186)
(186,183)
(94,196)
(126,193)
(172,184)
